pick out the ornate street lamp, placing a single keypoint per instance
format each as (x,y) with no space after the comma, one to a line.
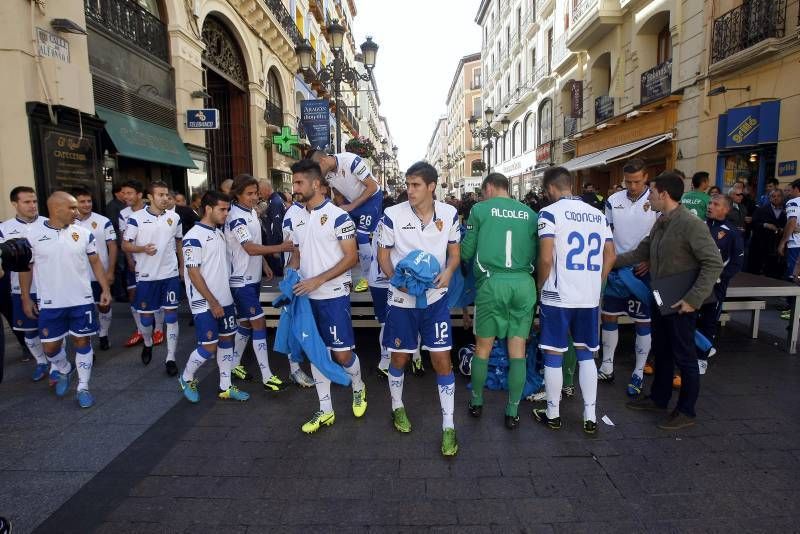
(487,132)
(385,156)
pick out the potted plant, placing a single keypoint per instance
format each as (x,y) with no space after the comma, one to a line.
(361,146)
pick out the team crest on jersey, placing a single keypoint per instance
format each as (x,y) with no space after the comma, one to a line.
(75,236)
(646,206)
(169,221)
(209,335)
(252,309)
(323,220)
(19,322)
(144,305)
(439,224)
(397,342)
(720,235)
(94,225)
(45,331)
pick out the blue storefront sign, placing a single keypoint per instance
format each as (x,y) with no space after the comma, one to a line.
(315,118)
(787,168)
(202,119)
(749,126)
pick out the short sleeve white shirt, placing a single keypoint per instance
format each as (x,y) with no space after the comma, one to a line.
(144,227)
(318,234)
(350,176)
(243,226)
(103,232)
(61,265)
(16,228)
(402,231)
(580,232)
(630,220)
(793,212)
(206,248)
(290,219)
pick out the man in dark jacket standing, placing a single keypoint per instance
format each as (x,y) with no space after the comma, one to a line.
(271,212)
(678,242)
(768,223)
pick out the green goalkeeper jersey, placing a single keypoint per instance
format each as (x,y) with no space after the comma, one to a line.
(696,202)
(501,237)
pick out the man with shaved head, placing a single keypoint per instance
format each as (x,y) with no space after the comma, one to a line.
(62,255)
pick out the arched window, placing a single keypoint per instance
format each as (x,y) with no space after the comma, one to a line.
(545,121)
(274,111)
(517,139)
(528,135)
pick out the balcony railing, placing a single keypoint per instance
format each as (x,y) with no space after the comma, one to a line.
(273,114)
(570,127)
(603,109)
(284,19)
(657,82)
(131,22)
(560,50)
(747,25)
(581,7)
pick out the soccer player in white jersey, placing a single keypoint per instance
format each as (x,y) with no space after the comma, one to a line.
(27,217)
(248,261)
(105,239)
(576,252)
(325,251)
(62,255)
(425,224)
(630,216)
(207,264)
(351,176)
(153,236)
(789,246)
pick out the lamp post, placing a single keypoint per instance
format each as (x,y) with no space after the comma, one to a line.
(488,133)
(338,70)
(385,156)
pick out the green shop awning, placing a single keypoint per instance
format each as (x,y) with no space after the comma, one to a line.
(138,139)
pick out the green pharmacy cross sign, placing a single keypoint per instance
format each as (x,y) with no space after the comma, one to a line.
(285,140)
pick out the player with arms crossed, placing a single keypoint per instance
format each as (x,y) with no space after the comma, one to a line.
(421,224)
(62,255)
(576,255)
(153,236)
(351,176)
(325,251)
(207,264)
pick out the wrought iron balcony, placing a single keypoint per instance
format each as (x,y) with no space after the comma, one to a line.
(570,127)
(273,114)
(560,51)
(580,8)
(603,109)
(132,22)
(747,25)
(284,19)
(657,82)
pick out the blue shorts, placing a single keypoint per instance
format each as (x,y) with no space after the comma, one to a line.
(78,321)
(792,255)
(22,322)
(406,326)
(333,322)
(558,323)
(367,214)
(248,301)
(208,328)
(155,294)
(380,299)
(637,310)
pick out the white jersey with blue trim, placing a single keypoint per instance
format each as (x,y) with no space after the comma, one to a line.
(630,220)
(290,220)
(144,227)
(103,232)
(243,226)
(206,248)
(402,231)
(350,175)
(16,228)
(60,262)
(580,232)
(793,212)
(318,234)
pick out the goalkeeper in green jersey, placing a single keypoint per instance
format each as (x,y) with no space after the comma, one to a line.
(502,243)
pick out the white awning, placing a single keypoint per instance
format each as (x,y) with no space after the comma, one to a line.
(612,154)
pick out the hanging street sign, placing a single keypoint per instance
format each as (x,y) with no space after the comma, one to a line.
(202,119)
(285,140)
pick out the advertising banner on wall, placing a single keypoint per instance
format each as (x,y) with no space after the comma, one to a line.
(315,118)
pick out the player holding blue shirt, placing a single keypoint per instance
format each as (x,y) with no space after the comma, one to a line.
(576,253)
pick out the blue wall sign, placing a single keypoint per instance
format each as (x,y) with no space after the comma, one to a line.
(202,119)
(787,168)
(315,118)
(749,126)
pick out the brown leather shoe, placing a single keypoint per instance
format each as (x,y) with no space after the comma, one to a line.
(644,404)
(676,421)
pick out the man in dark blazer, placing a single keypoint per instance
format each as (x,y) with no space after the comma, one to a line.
(767,225)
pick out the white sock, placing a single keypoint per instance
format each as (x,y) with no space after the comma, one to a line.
(610,341)
(225,364)
(262,353)
(642,351)
(34,344)
(364,257)
(240,343)
(59,362)
(354,370)
(417,356)
(136,319)
(396,379)
(147,332)
(447,398)
(383,364)
(105,322)
(172,340)
(587,377)
(553,382)
(293,366)
(192,365)
(323,386)
(83,361)
(159,320)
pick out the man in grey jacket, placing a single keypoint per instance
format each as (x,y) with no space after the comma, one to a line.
(678,242)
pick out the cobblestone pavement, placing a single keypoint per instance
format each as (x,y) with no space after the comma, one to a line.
(144,460)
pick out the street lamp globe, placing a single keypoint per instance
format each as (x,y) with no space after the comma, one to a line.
(369,49)
(336,31)
(304,55)
(394,150)
(488,115)
(504,124)
(473,122)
